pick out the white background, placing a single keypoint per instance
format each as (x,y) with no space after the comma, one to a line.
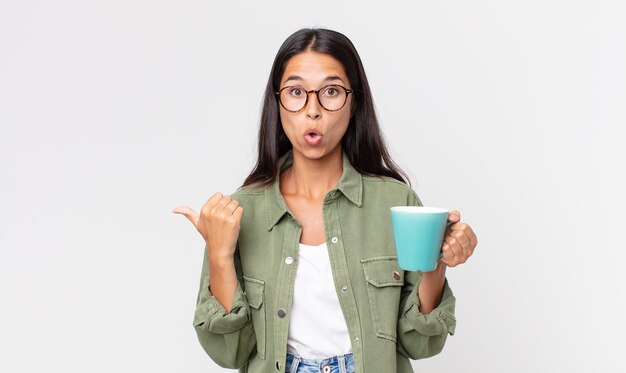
(114,112)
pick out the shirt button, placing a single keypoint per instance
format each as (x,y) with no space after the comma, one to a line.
(288,260)
(332,194)
(396,275)
(278,365)
(281,313)
(344,289)
(356,339)
(334,240)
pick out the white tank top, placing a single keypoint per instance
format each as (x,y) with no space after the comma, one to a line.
(317,328)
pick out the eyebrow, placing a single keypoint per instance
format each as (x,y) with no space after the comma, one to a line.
(328,78)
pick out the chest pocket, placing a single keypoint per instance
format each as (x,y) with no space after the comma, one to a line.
(255,295)
(384,286)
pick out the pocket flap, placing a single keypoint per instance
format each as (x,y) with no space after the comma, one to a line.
(254,291)
(383,271)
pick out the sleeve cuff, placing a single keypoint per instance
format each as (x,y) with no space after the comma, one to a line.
(439,322)
(211,315)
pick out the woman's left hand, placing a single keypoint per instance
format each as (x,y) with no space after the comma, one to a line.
(459,241)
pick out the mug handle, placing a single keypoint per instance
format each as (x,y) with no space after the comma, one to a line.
(441,252)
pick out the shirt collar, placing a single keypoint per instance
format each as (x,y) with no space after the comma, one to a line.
(350,185)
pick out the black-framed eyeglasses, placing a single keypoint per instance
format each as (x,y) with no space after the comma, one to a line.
(331,97)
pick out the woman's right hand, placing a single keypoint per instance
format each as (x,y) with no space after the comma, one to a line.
(219,222)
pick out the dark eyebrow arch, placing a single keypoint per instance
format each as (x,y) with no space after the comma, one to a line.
(293,77)
(298,78)
(334,78)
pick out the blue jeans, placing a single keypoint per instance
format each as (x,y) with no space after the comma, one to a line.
(335,364)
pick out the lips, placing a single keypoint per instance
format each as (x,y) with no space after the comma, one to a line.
(312,136)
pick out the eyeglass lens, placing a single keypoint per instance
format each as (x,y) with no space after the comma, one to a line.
(331,97)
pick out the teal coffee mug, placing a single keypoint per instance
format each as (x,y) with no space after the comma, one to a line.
(418,233)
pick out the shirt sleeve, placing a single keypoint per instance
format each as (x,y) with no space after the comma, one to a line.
(423,335)
(227,337)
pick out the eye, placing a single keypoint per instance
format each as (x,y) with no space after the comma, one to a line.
(331,91)
(296,91)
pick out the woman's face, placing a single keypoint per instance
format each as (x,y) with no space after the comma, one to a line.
(313,131)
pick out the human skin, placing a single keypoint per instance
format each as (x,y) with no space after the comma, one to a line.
(316,169)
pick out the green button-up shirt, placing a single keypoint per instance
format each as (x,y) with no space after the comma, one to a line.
(379,301)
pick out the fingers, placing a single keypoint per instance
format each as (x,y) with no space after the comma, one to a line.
(466,229)
(231,207)
(459,241)
(219,223)
(459,244)
(454,216)
(211,203)
(187,212)
(231,212)
(220,205)
(448,255)
(217,205)
(237,214)
(453,252)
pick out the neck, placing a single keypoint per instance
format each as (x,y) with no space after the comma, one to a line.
(313,178)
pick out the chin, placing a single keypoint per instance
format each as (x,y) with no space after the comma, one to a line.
(315,153)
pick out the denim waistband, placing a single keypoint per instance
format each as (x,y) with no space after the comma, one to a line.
(335,364)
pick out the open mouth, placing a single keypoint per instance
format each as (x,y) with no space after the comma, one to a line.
(312,136)
(312,133)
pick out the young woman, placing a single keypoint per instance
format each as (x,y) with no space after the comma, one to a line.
(300,272)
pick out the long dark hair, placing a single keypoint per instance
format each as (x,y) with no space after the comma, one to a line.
(363,142)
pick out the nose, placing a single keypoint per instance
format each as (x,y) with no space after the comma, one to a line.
(313,108)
